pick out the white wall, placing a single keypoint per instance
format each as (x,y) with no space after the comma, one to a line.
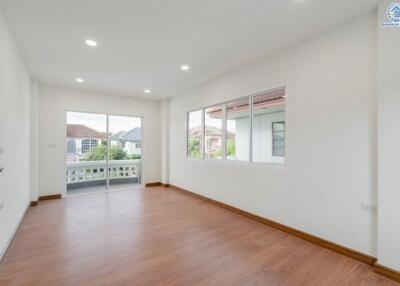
(34,140)
(54,102)
(14,136)
(388,141)
(331,134)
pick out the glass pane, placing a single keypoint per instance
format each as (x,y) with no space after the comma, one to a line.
(278,126)
(125,151)
(213,132)
(269,127)
(238,130)
(195,134)
(86,147)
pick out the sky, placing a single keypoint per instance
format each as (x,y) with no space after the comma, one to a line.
(99,121)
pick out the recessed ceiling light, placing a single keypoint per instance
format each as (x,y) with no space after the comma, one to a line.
(80,80)
(91,43)
(147,91)
(185,67)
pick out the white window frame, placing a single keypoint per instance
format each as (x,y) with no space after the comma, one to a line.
(223,138)
(249,98)
(224,131)
(187,135)
(284,138)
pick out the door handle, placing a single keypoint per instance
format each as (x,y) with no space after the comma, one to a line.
(1,169)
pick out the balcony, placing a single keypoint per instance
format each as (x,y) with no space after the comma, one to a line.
(90,176)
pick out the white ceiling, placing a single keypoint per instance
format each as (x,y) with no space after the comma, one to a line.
(141,44)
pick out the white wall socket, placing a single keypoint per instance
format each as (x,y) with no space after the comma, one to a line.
(372,208)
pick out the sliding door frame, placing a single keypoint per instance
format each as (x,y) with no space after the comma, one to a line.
(108,144)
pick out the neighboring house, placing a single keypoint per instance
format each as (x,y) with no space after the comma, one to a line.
(130,141)
(213,137)
(80,139)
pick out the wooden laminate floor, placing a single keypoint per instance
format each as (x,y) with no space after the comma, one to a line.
(158,236)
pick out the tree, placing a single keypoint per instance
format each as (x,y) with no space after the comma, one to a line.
(230,147)
(194,147)
(117,153)
(100,153)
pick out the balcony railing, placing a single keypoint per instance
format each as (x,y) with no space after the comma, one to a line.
(90,173)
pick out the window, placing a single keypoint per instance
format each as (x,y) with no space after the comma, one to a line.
(268,113)
(246,129)
(195,134)
(138,145)
(71,146)
(238,130)
(88,144)
(278,139)
(213,132)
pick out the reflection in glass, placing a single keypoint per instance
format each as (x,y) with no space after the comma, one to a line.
(213,132)
(269,127)
(278,139)
(238,130)
(125,151)
(86,156)
(195,134)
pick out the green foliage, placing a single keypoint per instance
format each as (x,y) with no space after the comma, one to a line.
(230,147)
(95,154)
(100,153)
(117,153)
(217,154)
(194,148)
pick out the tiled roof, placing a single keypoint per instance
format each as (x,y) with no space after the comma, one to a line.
(82,131)
(133,135)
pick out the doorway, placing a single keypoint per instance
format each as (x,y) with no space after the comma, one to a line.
(103,152)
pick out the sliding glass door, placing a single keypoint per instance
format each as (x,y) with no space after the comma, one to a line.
(125,151)
(103,152)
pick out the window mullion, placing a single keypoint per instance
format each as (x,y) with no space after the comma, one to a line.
(224,132)
(203,120)
(251,129)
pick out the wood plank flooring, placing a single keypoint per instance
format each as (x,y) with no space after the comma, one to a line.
(158,236)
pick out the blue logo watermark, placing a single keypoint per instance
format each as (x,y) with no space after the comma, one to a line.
(393,15)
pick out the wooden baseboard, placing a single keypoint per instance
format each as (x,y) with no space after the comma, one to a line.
(50,197)
(34,203)
(387,272)
(155,184)
(303,235)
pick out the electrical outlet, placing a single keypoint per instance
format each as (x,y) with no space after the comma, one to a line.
(372,208)
(1,205)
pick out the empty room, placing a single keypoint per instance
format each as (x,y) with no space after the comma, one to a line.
(188,142)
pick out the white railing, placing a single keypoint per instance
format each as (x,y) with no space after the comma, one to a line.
(90,171)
